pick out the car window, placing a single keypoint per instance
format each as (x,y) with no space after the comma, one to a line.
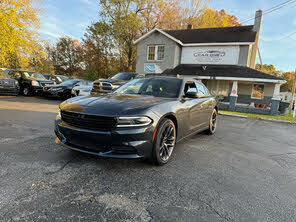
(202,90)
(16,74)
(190,87)
(26,74)
(158,87)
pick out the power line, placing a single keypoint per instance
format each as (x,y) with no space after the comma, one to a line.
(272,9)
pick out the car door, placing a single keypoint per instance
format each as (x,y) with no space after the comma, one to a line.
(206,103)
(194,108)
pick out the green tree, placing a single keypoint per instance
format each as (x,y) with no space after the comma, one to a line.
(98,50)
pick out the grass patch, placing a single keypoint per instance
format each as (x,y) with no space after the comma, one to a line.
(287,117)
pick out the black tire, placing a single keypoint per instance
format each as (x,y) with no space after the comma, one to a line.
(66,95)
(213,123)
(26,91)
(164,142)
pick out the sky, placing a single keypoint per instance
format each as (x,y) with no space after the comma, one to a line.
(277,41)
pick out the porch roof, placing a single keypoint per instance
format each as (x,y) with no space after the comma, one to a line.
(223,72)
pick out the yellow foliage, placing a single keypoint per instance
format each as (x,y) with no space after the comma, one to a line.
(19,23)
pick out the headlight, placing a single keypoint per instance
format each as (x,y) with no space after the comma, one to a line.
(35,83)
(16,83)
(133,121)
(59,113)
(115,86)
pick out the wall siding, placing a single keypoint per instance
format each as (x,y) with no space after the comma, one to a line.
(171,54)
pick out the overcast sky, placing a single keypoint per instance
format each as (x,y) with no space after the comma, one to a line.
(277,43)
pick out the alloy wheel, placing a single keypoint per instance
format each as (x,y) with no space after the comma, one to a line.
(214,121)
(167,142)
(26,91)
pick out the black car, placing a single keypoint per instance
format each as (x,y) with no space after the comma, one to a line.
(8,86)
(107,85)
(142,119)
(30,82)
(62,90)
(58,79)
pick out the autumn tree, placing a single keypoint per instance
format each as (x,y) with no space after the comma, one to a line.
(98,53)
(209,18)
(66,56)
(161,14)
(289,77)
(269,69)
(19,23)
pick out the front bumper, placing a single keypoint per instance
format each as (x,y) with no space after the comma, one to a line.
(37,89)
(119,143)
(9,91)
(50,93)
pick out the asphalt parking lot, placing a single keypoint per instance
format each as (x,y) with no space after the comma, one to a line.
(245,172)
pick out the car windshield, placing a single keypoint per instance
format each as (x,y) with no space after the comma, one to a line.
(3,74)
(69,82)
(158,87)
(34,75)
(124,76)
(62,78)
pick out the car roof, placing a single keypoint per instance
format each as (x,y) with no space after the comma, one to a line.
(172,77)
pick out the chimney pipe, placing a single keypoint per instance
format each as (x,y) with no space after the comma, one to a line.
(189,26)
(258,21)
(256,28)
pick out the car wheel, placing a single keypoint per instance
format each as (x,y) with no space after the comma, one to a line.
(213,123)
(26,91)
(164,142)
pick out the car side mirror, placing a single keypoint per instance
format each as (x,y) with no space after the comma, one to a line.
(191,95)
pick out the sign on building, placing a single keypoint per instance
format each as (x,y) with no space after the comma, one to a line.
(222,55)
(151,68)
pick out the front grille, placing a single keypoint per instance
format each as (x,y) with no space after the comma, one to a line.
(123,150)
(85,121)
(7,83)
(102,86)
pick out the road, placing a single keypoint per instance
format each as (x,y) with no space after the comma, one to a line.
(245,172)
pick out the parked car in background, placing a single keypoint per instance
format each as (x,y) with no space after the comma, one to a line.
(83,89)
(62,90)
(30,82)
(142,119)
(103,85)
(8,86)
(56,78)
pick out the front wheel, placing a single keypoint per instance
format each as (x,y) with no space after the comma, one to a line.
(164,142)
(213,123)
(26,91)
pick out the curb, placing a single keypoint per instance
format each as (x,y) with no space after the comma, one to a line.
(261,118)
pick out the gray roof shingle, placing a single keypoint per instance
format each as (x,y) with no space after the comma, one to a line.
(220,71)
(215,35)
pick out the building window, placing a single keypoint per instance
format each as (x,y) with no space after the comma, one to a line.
(155,53)
(258,91)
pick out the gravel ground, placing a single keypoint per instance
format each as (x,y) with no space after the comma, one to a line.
(245,172)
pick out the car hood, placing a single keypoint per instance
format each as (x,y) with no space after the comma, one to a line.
(112,104)
(55,86)
(83,87)
(113,81)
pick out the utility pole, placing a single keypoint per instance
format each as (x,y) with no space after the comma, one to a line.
(293,94)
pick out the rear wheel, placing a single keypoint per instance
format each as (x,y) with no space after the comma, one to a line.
(213,123)
(164,142)
(26,91)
